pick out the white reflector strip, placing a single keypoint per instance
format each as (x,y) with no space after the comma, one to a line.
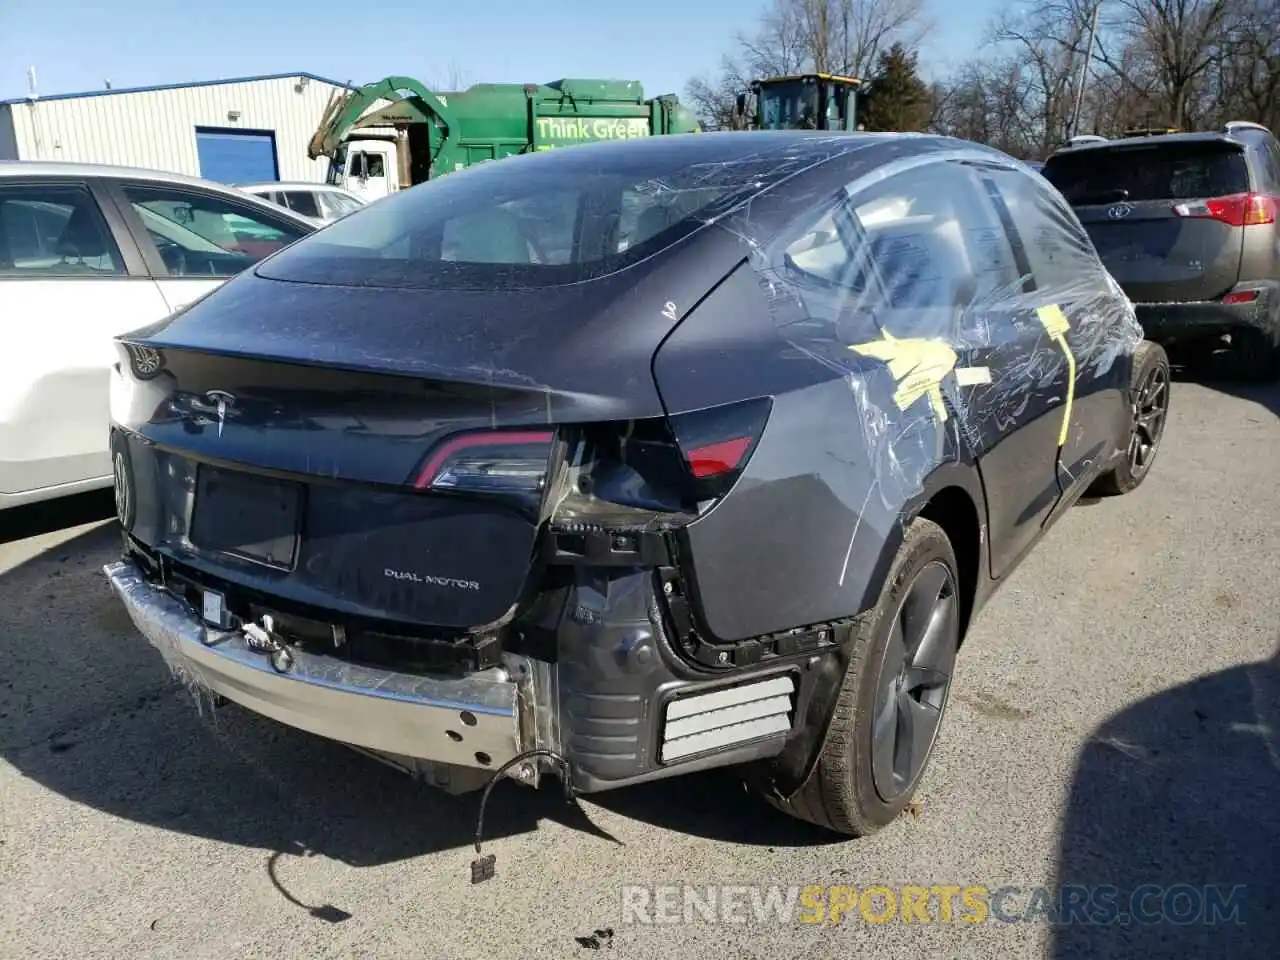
(724,737)
(727,716)
(687,706)
(712,721)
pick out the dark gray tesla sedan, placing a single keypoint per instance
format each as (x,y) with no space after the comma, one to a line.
(634,459)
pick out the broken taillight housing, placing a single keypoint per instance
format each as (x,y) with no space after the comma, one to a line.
(1236,210)
(654,474)
(493,461)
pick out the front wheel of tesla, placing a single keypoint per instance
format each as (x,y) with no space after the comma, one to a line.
(891,703)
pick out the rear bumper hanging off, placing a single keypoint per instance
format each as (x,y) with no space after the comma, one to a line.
(610,710)
(474,721)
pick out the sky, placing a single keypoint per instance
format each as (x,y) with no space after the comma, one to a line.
(78,45)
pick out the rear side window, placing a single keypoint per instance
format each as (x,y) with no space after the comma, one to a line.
(201,235)
(54,231)
(337,205)
(929,237)
(1184,171)
(529,221)
(303,201)
(1270,154)
(1058,250)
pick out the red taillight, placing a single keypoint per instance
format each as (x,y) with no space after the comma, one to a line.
(717,459)
(495,461)
(1242,296)
(717,442)
(1236,210)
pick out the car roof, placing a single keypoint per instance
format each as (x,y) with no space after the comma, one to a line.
(1242,136)
(48,168)
(720,158)
(289,185)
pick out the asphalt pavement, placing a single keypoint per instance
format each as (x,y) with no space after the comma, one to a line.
(1115,723)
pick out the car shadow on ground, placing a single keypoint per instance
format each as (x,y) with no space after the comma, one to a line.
(19,523)
(1219,371)
(88,711)
(1180,790)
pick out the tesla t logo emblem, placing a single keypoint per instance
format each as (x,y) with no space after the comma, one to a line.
(221,402)
(1119,211)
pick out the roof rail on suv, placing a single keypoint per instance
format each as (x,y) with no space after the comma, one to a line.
(1151,131)
(1232,125)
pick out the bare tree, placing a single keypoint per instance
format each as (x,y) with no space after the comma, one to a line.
(1050,40)
(1186,63)
(1249,84)
(713,98)
(1185,40)
(829,36)
(985,102)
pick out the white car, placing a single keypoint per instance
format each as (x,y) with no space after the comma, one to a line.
(322,202)
(87,252)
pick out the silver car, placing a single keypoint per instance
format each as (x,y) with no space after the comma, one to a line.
(87,252)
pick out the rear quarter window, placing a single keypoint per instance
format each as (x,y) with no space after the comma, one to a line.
(1159,172)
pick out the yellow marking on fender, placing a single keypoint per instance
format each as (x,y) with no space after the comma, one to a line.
(1056,325)
(918,364)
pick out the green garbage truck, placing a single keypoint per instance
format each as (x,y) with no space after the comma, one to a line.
(394,133)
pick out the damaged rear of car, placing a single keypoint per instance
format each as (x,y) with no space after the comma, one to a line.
(609,461)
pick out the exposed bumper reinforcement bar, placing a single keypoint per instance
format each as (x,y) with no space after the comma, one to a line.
(470,722)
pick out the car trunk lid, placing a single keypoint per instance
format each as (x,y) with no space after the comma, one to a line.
(349,449)
(1149,209)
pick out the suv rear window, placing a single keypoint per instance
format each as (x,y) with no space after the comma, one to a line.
(1184,171)
(524,221)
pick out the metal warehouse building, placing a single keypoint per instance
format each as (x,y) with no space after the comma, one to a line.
(249,128)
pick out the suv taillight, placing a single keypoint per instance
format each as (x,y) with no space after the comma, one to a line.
(1236,210)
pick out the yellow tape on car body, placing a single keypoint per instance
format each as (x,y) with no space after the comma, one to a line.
(1056,325)
(918,364)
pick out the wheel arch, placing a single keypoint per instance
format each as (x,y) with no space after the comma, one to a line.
(953,509)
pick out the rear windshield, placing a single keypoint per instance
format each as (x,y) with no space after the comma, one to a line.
(1185,171)
(524,221)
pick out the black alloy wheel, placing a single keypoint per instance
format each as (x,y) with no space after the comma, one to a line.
(914,680)
(1150,386)
(1150,408)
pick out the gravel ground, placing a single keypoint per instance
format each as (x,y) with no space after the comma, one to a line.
(1114,723)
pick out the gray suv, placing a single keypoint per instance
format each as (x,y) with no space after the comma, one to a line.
(1187,224)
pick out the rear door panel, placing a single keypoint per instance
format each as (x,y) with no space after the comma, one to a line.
(59,319)
(1096,329)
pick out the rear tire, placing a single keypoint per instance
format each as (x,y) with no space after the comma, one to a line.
(1149,387)
(847,791)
